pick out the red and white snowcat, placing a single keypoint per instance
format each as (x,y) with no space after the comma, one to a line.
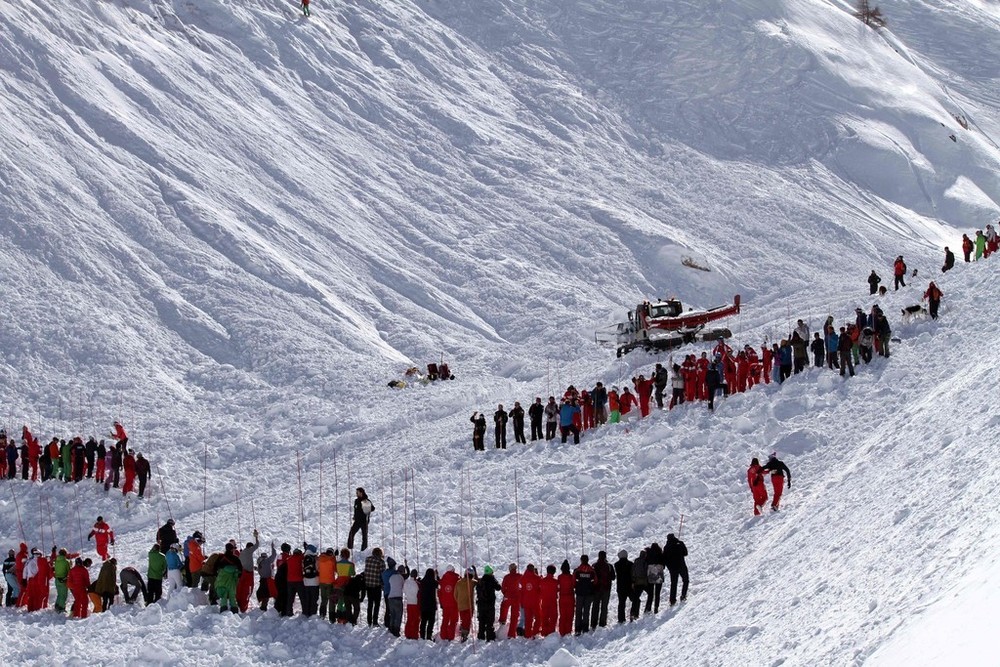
(665,325)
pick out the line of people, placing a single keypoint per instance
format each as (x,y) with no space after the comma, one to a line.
(73,460)
(302,580)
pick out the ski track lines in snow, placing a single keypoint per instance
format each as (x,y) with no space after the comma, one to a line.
(235,225)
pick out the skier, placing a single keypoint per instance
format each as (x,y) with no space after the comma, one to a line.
(949,260)
(478,420)
(755,479)
(517,416)
(778,470)
(933,296)
(674,554)
(500,427)
(535,413)
(102,536)
(899,272)
(873,281)
(363,509)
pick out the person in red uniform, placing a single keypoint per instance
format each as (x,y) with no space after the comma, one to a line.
(644,388)
(102,535)
(626,402)
(78,582)
(755,478)
(729,371)
(767,357)
(549,589)
(128,463)
(119,434)
(531,600)
(754,361)
(721,349)
(34,450)
(701,389)
(742,371)
(689,370)
(511,589)
(38,572)
(449,606)
(778,471)
(567,599)
(19,562)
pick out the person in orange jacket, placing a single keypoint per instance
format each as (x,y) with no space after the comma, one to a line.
(899,272)
(326,568)
(449,608)
(511,605)
(755,478)
(567,599)
(531,600)
(549,589)
(195,557)
(78,582)
(102,535)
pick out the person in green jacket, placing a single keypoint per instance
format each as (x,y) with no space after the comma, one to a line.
(227,576)
(67,474)
(156,570)
(107,583)
(980,245)
(60,570)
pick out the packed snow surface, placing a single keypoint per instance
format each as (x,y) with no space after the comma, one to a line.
(230,226)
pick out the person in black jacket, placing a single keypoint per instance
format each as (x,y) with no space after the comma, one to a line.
(604,576)
(599,396)
(623,577)
(674,554)
(873,281)
(486,602)
(478,420)
(713,380)
(500,427)
(535,413)
(778,470)
(167,535)
(363,508)
(427,599)
(517,416)
(91,450)
(142,472)
(818,348)
(949,260)
(660,379)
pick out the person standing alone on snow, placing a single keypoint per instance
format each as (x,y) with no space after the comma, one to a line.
(363,509)
(873,281)
(933,296)
(305,8)
(778,470)
(899,272)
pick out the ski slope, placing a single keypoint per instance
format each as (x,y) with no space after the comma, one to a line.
(230,226)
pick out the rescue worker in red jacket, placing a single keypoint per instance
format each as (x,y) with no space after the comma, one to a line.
(967,246)
(511,605)
(128,463)
(531,600)
(755,479)
(644,388)
(449,606)
(567,599)
(78,582)
(549,589)
(20,560)
(587,406)
(755,367)
(689,370)
(38,573)
(34,451)
(767,360)
(626,402)
(742,371)
(933,296)
(119,434)
(102,535)
(701,389)
(899,272)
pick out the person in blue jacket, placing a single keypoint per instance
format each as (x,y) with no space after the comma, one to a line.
(832,343)
(567,412)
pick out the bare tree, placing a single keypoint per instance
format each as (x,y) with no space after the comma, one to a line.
(872,16)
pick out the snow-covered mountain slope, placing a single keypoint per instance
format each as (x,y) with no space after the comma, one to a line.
(230,226)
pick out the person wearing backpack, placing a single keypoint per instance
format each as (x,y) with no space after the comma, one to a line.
(654,575)
(310,581)
(363,509)
(933,296)
(899,273)
(640,583)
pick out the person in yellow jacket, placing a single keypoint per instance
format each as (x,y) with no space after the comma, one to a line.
(326,566)
(465,597)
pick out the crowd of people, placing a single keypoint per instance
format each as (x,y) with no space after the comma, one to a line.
(329,585)
(74,460)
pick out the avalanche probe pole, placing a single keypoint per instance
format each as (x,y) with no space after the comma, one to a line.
(517,522)
(204,494)
(680,527)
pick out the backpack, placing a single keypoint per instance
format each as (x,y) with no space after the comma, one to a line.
(309,567)
(366,506)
